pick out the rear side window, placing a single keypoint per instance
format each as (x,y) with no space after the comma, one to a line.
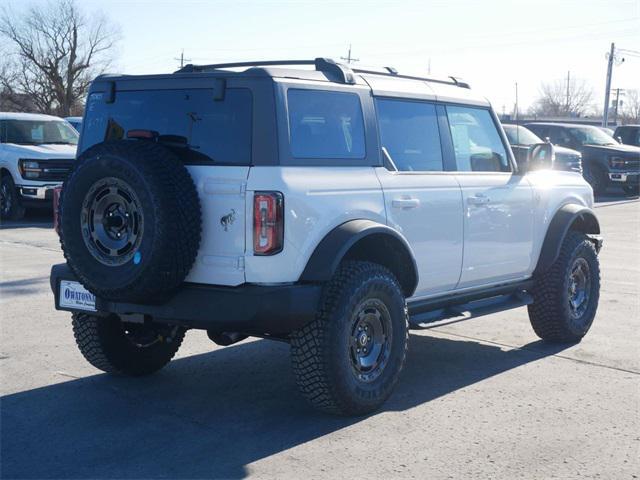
(325,124)
(190,121)
(409,132)
(477,144)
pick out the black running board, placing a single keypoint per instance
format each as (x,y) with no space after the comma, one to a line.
(472,309)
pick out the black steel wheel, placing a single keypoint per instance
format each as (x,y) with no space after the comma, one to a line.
(348,359)
(10,206)
(566,296)
(112,221)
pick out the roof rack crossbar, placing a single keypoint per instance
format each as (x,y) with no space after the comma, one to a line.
(344,73)
(392,72)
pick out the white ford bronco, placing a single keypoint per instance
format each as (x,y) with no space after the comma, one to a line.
(310,202)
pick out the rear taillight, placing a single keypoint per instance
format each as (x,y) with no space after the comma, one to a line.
(268,223)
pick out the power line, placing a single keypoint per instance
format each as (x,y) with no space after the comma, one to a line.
(349,58)
(182,59)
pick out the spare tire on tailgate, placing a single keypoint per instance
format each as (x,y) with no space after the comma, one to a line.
(130,220)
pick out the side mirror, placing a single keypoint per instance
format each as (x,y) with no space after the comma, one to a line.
(541,156)
(619,139)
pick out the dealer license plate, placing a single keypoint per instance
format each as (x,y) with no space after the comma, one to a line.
(75,297)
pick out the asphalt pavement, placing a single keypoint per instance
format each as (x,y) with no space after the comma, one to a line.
(482,398)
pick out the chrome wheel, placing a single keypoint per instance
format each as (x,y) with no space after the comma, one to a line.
(112,222)
(370,341)
(579,288)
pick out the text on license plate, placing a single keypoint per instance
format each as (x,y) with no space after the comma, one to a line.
(74,295)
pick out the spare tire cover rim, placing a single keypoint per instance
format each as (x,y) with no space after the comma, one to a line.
(112,221)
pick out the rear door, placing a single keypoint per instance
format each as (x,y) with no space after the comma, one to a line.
(212,134)
(498,203)
(422,199)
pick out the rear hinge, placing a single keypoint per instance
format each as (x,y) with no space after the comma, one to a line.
(240,264)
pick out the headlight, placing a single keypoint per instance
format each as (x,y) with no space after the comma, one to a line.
(29,169)
(617,162)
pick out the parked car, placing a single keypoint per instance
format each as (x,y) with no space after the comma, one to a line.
(521,140)
(76,122)
(36,154)
(605,162)
(326,208)
(629,134)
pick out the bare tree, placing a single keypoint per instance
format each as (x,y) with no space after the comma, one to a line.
(559,100)
(55,53)
(631,107)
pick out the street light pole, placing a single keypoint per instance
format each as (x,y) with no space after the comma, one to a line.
(607,90)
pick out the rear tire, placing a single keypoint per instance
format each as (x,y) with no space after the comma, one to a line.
(113,346)
(348,359)
(566,296)
(10,206)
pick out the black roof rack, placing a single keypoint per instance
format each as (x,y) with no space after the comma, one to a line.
(392,72)
(327,65)
(343,72)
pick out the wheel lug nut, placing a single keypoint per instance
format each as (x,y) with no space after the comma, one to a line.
(365,350)
(368,339)
(357,350)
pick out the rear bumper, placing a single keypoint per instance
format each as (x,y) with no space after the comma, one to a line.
(251,309)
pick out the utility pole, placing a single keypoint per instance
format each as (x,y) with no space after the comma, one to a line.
(349,58)
(182,59)
(607,90)
(515,114)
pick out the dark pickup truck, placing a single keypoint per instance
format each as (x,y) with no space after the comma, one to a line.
(604,161)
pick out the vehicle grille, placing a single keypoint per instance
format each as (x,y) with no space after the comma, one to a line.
(55,170)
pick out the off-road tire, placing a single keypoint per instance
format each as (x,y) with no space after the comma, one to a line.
(14,210)
(105,345)
(169,206)
(595,177)
(550,313)
(320,351)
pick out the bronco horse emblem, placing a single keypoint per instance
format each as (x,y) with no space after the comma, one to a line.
(228,219)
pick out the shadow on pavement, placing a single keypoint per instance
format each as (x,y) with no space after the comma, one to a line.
(208,415)
(34,218)
(24,286)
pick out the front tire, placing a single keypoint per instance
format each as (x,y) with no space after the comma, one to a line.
(632,190)
(10,206)
(348,359)
(131,349)
(596,178)
(566,296)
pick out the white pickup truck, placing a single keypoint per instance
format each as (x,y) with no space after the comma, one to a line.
(321,205)
(36,154)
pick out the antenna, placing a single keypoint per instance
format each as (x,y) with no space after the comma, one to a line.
(349,58)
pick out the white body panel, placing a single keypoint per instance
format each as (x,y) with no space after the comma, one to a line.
(316,200)
(222,191)
(498,228)
(427,209)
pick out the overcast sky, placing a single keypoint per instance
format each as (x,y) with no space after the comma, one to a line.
(491,44)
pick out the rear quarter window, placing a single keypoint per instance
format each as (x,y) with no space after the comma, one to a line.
(325,125)
(189,120)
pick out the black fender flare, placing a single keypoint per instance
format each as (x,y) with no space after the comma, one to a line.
(331,250)
(568,217)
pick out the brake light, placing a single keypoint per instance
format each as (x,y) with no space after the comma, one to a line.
(268,223)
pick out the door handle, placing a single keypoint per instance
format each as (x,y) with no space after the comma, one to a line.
(478,200)
(405,203)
